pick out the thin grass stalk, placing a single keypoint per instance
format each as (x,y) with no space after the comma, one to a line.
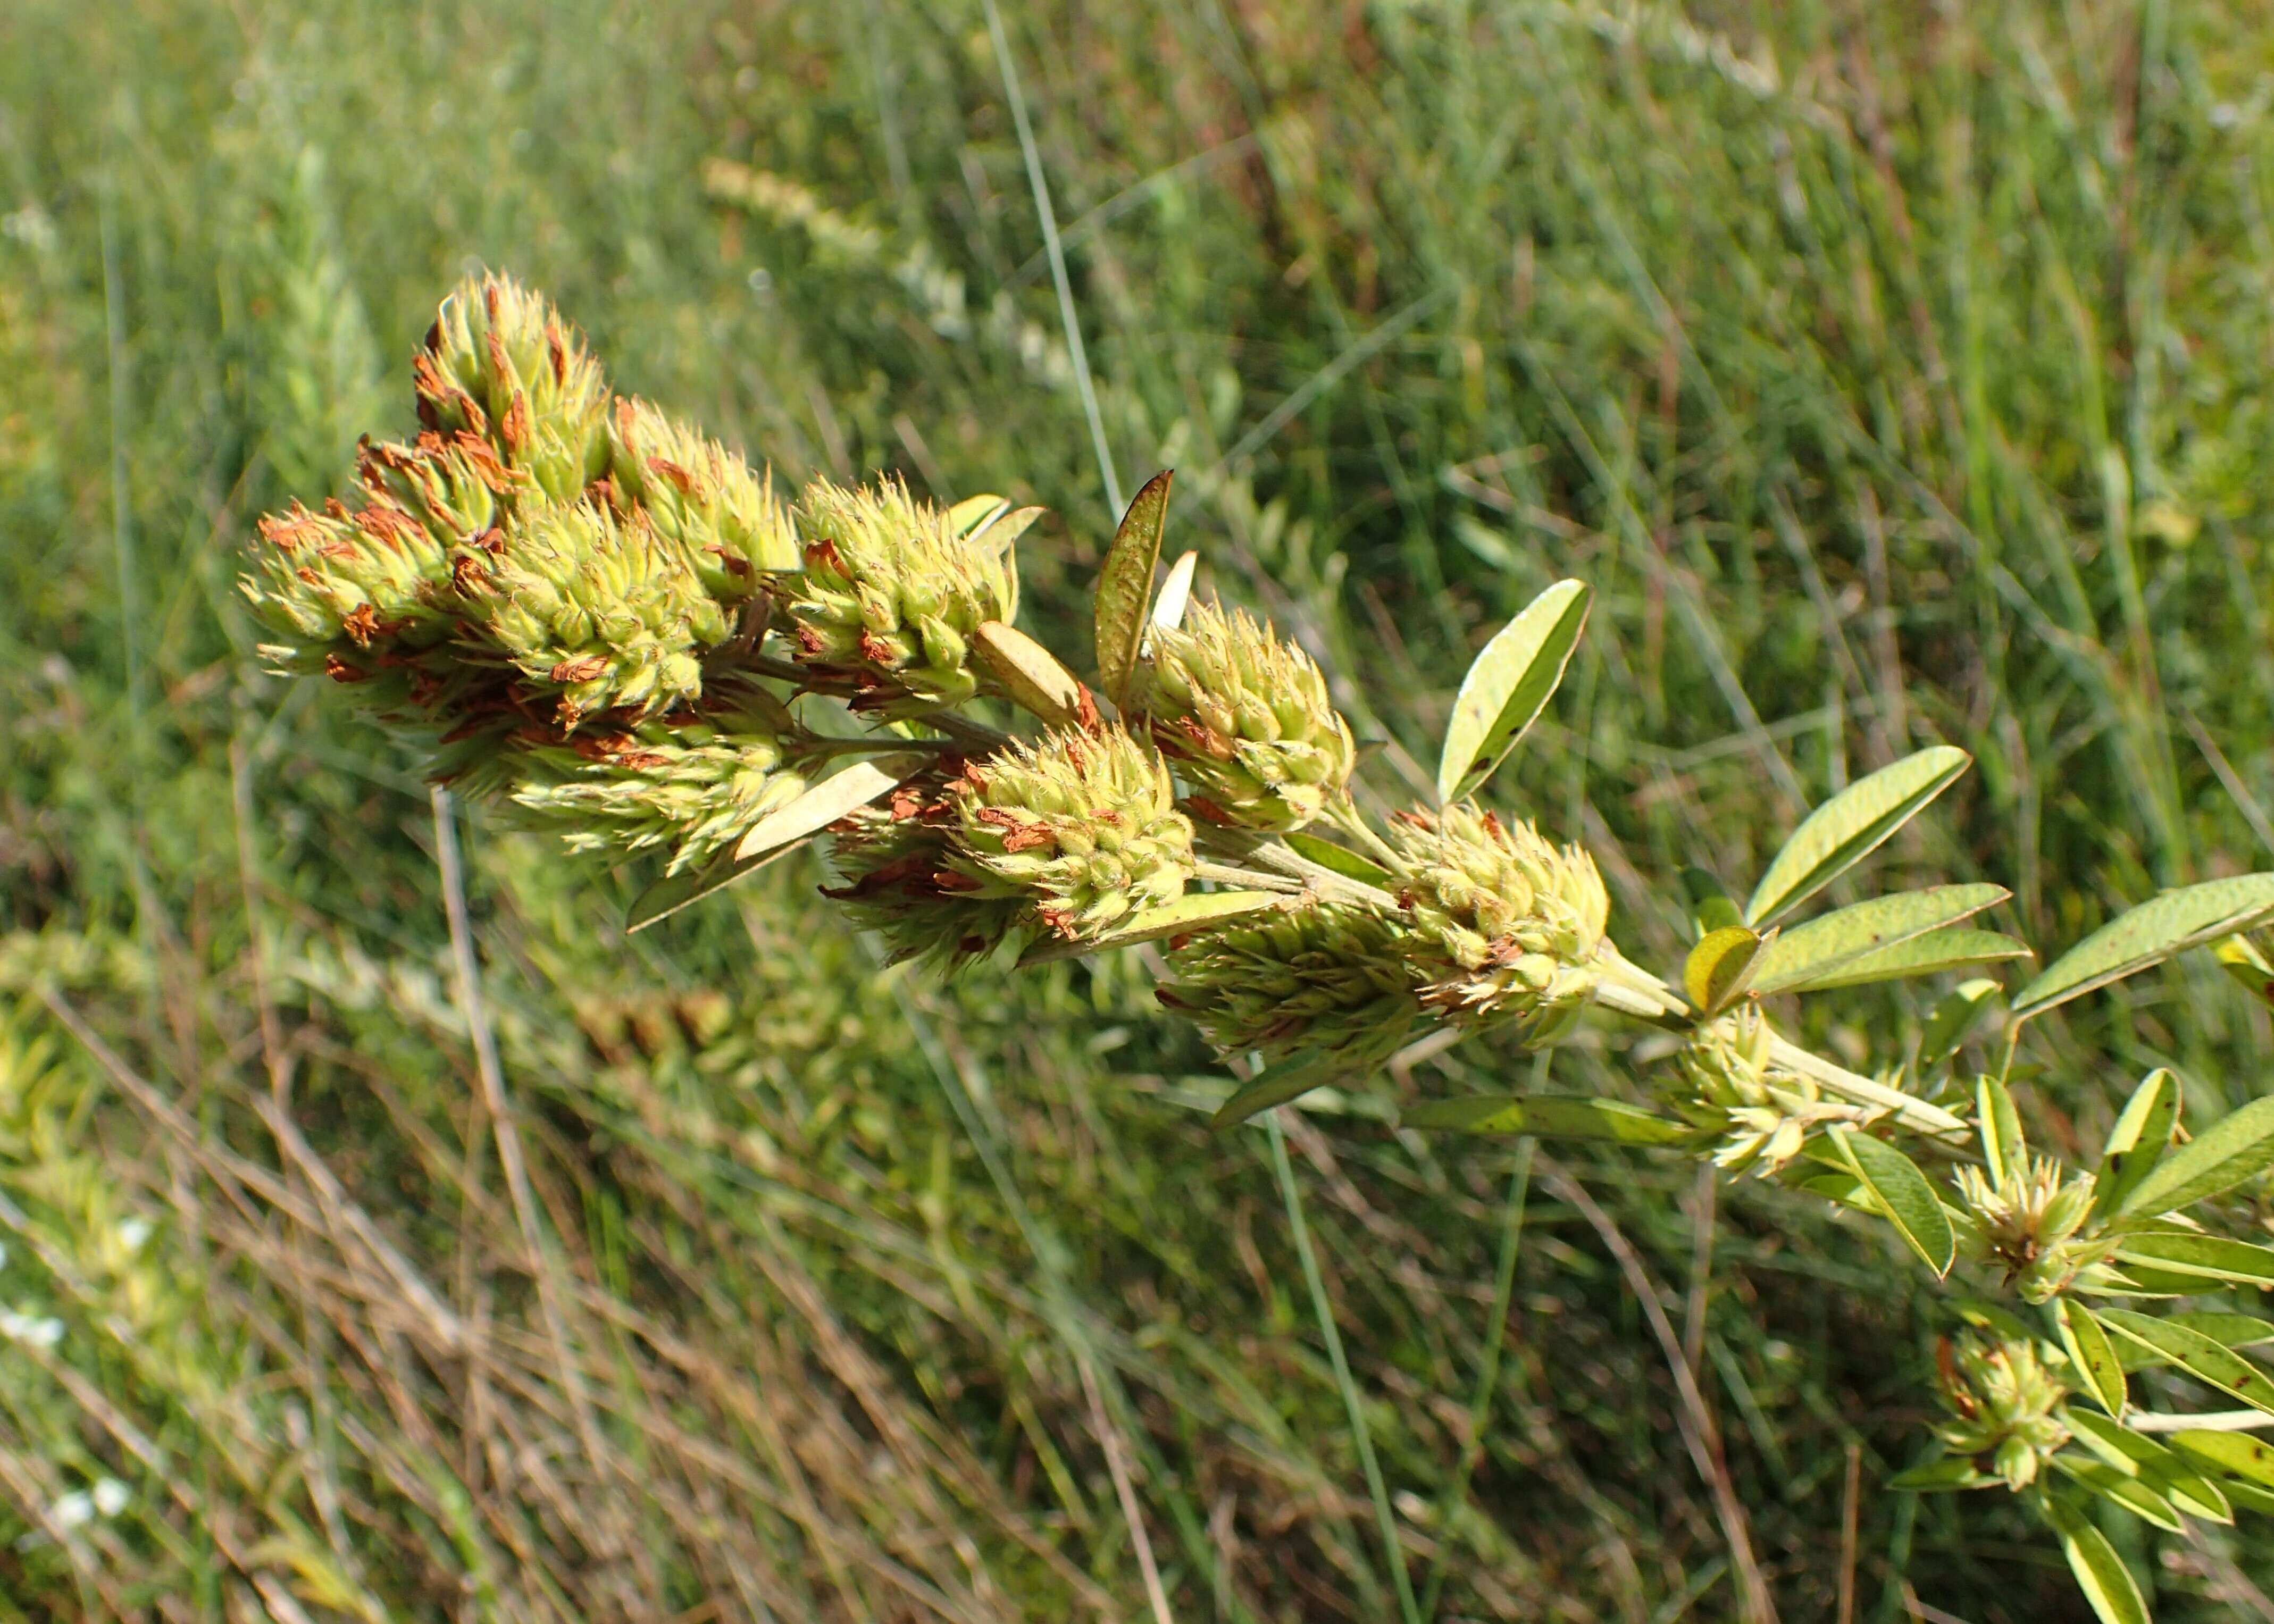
(1385,1519)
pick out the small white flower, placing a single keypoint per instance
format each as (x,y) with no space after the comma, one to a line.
(133,1232)
(110,1496)
(73,1510)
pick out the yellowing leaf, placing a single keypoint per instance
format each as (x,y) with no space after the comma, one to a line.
(1124,585)
(1714,973)
(1850,826)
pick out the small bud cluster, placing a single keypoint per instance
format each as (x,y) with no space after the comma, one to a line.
(1756,1114)
(2005,1404)
(1331,979)
(1246,718)
(2027,1221)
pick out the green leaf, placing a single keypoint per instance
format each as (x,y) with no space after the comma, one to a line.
(1952,1471)
(2230,1330)
(2107,1583)
(973,513)
(1711,908)
(1715,972)
(2000,1125)
(815,810)
(2138,1140)
(2209,1256)
(1508,685)
(2147,934)
(673,892)
(2170,1474)
(1550,1116)
(1904,1196)
(1994,1318)
(2237,1454)
(1341,860)
(1850,826)
(2238,1145)
(1175,591)
(2196,1354)
(2095,1360)
(1004,526)
(1832,943)
(1031,675)
(1274,1084)
(1197,911)
(1124,585)
(1961,948)
(2111,1483)
(1953,1018)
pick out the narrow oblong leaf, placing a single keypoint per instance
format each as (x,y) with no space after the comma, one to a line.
(815,809)
(1959,948)
(1832,941)
(667,896)
(2095,1360)
(2143,1134)
(2112,1483)
(1952,1471)
(2238,1453)
(1002,528)
(1999,1126)
(2198,1354)
(1954,1016)
(2238,1145)
(1508,685)
(1711,908)
(1550,1116)
(1176,592)
(973,513)
(1339,859)
(1124,585)
(1905,1197)
(1715,972)
(1032,675)
(1850,826)
(1198,911)
(2147,936)
(2107,1583)
(2171,1474)
(2210,1256)
(1274,1084)
(2229,1330)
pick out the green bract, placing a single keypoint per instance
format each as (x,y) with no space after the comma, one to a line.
(499,363)
(2005,1404)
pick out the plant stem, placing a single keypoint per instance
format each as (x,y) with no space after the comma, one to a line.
(1247,879)
(1911,1112)
(1384,1518)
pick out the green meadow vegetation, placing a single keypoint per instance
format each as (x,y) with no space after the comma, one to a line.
(387,1234)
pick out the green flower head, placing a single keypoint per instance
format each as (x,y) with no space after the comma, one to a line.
(499,363)
(1505,924)
(1246,718)
(696,492)
(2005,1404)
(1757,1113)
(1326,980)
(891,596)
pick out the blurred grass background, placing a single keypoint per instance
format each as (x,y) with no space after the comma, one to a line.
(1896,374)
